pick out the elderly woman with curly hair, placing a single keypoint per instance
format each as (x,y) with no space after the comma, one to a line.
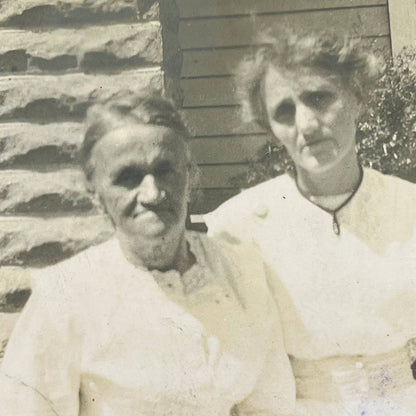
(340,238)
(158,320)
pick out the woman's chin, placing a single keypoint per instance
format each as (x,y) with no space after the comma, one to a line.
(152,233)
(155,230)
(319,163)
(153,250)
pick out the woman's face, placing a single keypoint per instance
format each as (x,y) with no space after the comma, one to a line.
(312,114)
(140,173)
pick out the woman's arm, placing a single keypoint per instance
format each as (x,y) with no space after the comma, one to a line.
(40,372)
(274,393)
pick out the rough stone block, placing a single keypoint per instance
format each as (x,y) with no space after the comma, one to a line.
(65,97)
(24,192)
(96,48)
(15,288)
(14,60)
(38,242)
(126,47)
(32,145)
(30,13)
(149,9)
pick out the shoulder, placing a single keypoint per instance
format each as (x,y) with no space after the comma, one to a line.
(390,190)
(240,260)
(383,178)
(248,200)
(388,181)
(250,203)
(390,203)
(215,247)
(77,272)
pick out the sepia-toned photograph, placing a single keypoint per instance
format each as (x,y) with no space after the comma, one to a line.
(207,208)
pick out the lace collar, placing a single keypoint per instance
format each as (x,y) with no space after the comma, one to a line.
(195,278)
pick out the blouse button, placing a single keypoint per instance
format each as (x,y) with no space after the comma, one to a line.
(359,365)
(261,211)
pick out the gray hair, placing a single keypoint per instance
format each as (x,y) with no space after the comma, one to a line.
(145,107)
(345,56)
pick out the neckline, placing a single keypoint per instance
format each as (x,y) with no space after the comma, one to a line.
(335,222)
(331,201)
(195,277)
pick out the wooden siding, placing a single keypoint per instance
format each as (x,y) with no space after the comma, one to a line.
(209,8)
(214,35)
(234,31)
(222,61)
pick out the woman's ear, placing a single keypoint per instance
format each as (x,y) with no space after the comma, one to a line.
(192,173)
(358,109)
(98,203)
(188,191)
(92,193)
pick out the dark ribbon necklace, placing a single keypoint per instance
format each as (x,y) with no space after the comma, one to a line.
(336,227)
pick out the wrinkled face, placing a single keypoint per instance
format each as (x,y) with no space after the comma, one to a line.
(312,114)
(141,177)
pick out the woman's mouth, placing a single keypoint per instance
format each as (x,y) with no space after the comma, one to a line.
(148,214)
(316,145)
(150,223)
(315,142)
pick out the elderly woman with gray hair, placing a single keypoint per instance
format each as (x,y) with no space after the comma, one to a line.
(158,320)
(340,238)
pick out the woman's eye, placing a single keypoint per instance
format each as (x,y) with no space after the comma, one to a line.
(129,178)
(320,99)
(285,113)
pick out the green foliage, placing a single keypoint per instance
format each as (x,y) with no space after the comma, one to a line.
(386,136)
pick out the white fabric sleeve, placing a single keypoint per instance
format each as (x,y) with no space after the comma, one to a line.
(275,391)
(40,372)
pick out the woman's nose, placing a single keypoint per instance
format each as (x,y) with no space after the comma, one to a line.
(149,192)
(306,121)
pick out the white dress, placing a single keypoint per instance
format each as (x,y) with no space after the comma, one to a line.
(100,337)
(348,301)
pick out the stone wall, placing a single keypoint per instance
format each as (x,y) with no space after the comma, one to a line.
(56,57)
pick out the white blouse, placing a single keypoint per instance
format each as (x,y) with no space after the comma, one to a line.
(353,293)
(100,337)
